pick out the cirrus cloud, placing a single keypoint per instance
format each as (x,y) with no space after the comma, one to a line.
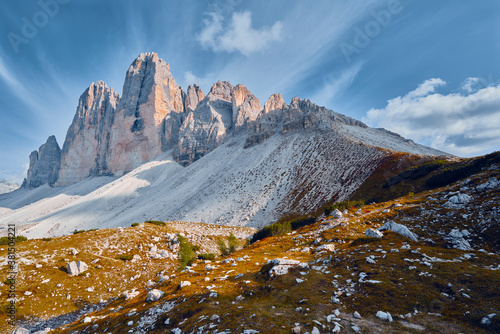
(462,124)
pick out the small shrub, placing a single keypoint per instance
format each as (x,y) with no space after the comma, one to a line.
(81,231)
(301,222)
(17,239)
(47,239)
(155,222)
(206,256)
(135,224)
(186,253)
(222,247)
(195,248)
(275,229)
(125,257)
(232,243)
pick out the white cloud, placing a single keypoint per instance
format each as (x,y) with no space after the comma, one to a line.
(238,35)
(460,124)
(469,83)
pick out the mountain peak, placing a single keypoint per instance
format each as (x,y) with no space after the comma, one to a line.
(44,164)
(222,90)
(274,102)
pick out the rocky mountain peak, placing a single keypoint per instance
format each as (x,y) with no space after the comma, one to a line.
(85,147)
(246,106)
(44,164)
(193,96)
(147,117)
(221,90)
(274,102)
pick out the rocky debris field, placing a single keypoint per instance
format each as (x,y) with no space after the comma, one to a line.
(424,263)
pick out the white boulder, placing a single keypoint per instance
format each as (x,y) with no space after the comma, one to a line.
(384,316)
(154,295)
(371,233)
(398,228)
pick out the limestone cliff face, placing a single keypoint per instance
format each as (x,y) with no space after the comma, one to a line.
(87,141)
(206,127)
(150,94)
(246,107)
(44,164)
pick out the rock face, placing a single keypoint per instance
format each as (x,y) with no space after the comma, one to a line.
(150,94)
(86,147)
(44,164)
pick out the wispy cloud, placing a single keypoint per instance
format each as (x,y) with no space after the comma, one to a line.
(334,86)
(461,124)
(238,35)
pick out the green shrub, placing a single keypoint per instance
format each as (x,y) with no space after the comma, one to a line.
(195,248)
(301,222)
(205,256)
(47,239)
(275,229)
(125,257)
(135,224)
(81,231)
(17,239)
(343,205)
(155,222)
(222,247)
(232,243)
(186,253)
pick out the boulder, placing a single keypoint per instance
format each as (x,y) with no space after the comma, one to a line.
(154,295)
(371,233)
(278,267)
(398,228)
(183,284)
(72,269)
(384,316)
(82,267)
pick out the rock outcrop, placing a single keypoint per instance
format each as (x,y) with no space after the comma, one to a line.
(86,147)
(44,164)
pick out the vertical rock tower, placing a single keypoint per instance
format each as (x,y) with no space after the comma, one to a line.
(44,165)
(151,100)
(87,141)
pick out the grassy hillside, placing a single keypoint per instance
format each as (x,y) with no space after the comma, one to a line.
(428,285)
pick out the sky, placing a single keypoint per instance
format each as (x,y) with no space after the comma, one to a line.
(428,70)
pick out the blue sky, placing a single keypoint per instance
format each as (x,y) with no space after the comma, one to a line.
(426,69)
